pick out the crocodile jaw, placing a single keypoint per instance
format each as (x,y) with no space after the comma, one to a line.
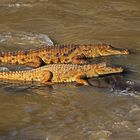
(108,70)
(109,50)
(98,50)
(102,69)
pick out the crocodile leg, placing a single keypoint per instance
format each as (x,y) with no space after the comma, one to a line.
(46,77)
(80,59)
(37,62)
(80,79)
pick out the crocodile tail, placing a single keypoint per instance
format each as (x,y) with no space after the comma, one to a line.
(16,75)
(28,75)
(7,75)
(17,57)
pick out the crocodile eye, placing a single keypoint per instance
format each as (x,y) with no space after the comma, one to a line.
(57,54)
(86,50)
(65,54)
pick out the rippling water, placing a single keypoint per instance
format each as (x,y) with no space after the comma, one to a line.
(69,112)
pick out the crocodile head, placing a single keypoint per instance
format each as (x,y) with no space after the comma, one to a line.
(102,50)
(102,69)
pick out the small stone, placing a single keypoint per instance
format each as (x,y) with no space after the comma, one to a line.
(100,135)
(122,124)
(134,113)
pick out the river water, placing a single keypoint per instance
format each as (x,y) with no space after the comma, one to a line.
(69,112)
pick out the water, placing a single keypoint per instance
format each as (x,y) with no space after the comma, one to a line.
(69,112)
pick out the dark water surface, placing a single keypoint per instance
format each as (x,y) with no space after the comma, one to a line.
(69,112)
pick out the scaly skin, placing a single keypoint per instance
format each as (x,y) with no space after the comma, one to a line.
(57,73)
(75,54)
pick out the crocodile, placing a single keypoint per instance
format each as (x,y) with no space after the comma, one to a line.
(61,73)
(55,54)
